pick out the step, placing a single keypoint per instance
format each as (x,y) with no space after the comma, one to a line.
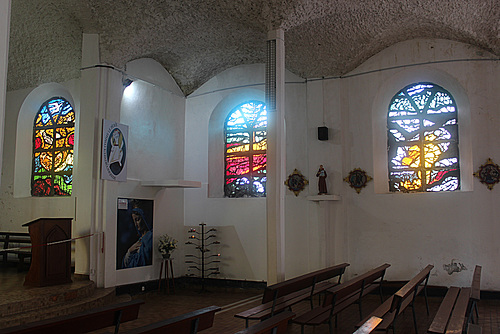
(34,298)
(100,297)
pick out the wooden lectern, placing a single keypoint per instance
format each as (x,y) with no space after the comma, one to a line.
(50,264)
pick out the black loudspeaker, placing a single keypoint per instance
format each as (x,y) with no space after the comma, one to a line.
(322,133)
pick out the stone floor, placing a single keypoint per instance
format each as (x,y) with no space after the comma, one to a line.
(160,306)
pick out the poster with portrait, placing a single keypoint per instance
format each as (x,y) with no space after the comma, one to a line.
(114,151)
(134,233)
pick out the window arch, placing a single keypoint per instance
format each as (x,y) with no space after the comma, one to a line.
(53,143)
(245,150)
(422,143)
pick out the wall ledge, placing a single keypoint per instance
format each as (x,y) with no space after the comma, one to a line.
(321,198)
(171,184)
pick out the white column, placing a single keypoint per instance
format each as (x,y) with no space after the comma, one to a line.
(101,92)
(276,156)
(4,55)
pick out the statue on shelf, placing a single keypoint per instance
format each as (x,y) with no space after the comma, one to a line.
(321,174)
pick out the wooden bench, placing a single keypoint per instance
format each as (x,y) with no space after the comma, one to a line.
(275,325)
(456,310)
(283,295)
(368,326)
(188,323)
(342,296)
(451,315)
(83,322)
(475,295)
(397,303)
(19,239)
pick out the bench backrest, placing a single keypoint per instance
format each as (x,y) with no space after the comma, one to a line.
(355,284)
(83,322)
(476,284)
(302,282)
(410,289)
(275,325)
(188,323)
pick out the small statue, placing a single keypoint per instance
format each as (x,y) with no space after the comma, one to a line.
(322,180)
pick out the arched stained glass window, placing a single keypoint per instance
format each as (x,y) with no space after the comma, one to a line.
(53,141)
(245,151)
(423,140)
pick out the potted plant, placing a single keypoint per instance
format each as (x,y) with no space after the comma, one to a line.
(166,244)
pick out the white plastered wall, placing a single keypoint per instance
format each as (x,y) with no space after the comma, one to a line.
(410,231)
(153,108)
(243,241)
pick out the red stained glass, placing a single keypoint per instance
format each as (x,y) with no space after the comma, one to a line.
(237,165)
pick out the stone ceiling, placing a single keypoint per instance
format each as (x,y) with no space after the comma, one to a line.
(196,39)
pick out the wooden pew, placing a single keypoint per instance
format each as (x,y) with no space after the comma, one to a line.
(188,323)
(275,325)
(342,296)
(451,315)
(18,239)
(82,322)
(283,295)
(369,325)
(475,295)
(457,308)
(397,303)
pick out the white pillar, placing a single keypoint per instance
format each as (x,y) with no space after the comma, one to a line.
(101,92)
(276,156)
(4,55)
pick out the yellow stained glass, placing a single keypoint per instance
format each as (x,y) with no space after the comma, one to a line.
(68,118)
(63,160)
(39,121)
(413,184)
(413,157)
(46,160)
(239,148)
(262,146)
(432,153)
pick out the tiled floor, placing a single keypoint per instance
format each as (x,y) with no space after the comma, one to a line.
(162,306)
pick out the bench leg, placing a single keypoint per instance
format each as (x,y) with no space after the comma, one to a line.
(194,326)
(414,317)
(117,320)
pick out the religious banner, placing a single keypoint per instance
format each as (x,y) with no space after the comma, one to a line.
(134,233)
(114,151)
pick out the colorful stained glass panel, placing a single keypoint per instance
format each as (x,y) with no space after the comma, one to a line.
(53,142)
(436,143)
(245,145)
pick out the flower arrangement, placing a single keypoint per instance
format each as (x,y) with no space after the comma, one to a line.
(166,244)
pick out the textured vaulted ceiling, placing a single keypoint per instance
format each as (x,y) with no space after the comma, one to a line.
(196,39)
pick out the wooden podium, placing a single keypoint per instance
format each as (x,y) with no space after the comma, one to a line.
(50,264)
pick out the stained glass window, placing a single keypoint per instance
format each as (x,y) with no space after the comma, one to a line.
(423,140)
(245,151)
(53,141)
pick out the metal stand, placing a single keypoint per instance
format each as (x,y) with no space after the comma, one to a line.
(199,263)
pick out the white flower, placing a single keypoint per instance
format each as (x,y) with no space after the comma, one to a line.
(166,244)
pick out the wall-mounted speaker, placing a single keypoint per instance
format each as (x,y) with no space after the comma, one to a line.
(322,133)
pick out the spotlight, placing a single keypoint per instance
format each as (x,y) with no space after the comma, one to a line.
(126,82)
